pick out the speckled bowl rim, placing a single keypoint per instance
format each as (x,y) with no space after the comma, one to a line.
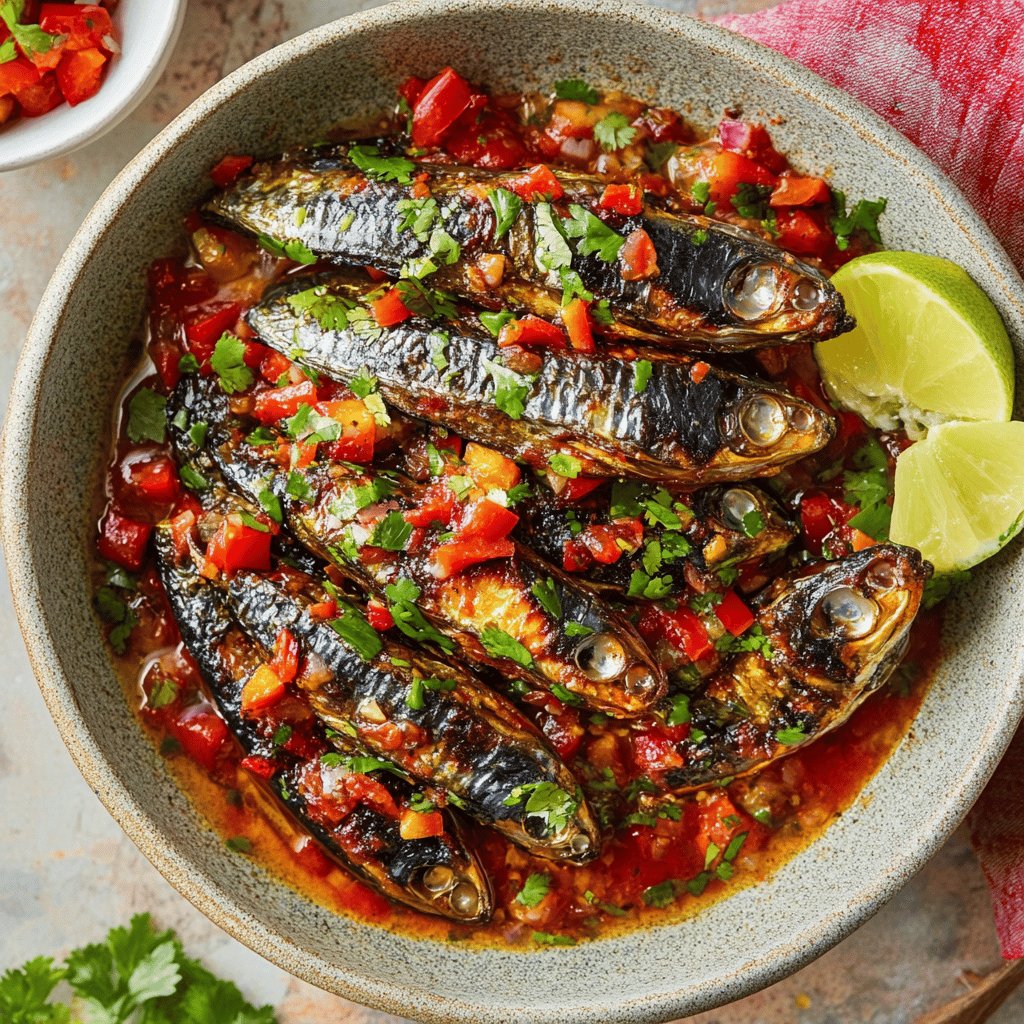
(214,900)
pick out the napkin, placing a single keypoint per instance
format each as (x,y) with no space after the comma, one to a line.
(949,74)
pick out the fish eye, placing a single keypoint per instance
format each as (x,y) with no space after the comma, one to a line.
(762,420)
(464,900)
(438,878)
(801,418)
(806,295)
(601,657)
(580,844)
(881,575)
(850,612)
(640,680)
(752,291)
(737,503)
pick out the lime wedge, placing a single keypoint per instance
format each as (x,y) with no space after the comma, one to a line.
(959,494)
(929,346)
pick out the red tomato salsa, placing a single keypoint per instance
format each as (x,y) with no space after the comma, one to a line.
(52,53)
(656,856)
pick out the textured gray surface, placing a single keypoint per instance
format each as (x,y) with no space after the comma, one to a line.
(68,872)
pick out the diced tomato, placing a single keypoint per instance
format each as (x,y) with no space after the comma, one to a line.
(820,515)
(699,371)
(237,546)
(625,199)
(451,443)
(531,330)
(794,190)
(417,825)
(576,317)
(261,767)
(664,125)
(370,791)
(389,309)
(17,76)
(537,181)
(41,98)
(638,256)
(154,480)
(804,232)
(378,616)
(653,751)
(753,141)
(8,105)
(734,614)
(719,821)
(263,689)
(230,169)
(358,430)
(682,628)
(487,139)
(79,74)
(491,469)
(436,505)
(563,731)
(455,557)
(308,853)
(323,610)
(438,106)
(123,540)
(273,366)
(732,170)
(285,660)
(277,403)
(181,530)
(204,328)
(410,89)
(83,25)
(487,520)
(607,542)
(201,733)
(579,487)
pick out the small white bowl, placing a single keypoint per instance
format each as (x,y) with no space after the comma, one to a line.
(147,32)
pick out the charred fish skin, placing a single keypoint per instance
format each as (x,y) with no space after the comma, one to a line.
(459,736)
(479,610)
(717,288)
(718,527)
(366,841)
(680,427)
(831,638)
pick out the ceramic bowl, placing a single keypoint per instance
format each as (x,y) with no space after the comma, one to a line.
(147,33)
(56,441)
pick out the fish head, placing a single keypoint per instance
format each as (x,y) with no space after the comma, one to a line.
(848,622)
(769,292)
(746,523)
(767,423)
(451,884)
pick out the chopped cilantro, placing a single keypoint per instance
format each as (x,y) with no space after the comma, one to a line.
(444,246)
(271,504)
(193,479)
(700,236)
(577,629)
(661,895)
(546,594)
(402,596)
(330,311)
(147,416)
(511,389)
(421,803)
(298,487)
(650,588)
(499,644)
(642,370)
(361,765)
(516,494)
(414,698)
(595,236)
(792,736)
(576,89)
(752,201)
(239,844)
(565,465)
(418,216)
(544,800)
(292,249)
(938,588)
(507,206)
(534,889)
(392,533)
(495,321)
(188,363)
(565,695)
(357,633)
(547,939)
(659,154)
(679,713)
(863,217)
(614,131)
(228,362)
(701,191)
(553,250)
(260,436)
(753,523)
(383,168)
(625,503)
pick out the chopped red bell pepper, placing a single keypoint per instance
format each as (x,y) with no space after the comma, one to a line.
(538,181)
(438,106)
(201,732)
(682,628)
(230,169)
(237,546)
(576,317)
(83,26)
(794,190)
(820,515)
(625,199)
(284,661)
(261,767)
(41,98)
(734,614)
(79,74)
(579,487)
(488,139)
(486,520)
(323,610)
(273,366)
(531,330)
(18,75)
(751,140)
(204,328)
(653,751)
(638,256)
(436,505)
(154,480)
(804,232)
(263,689)
(410,89)
(181,531)
(490,468)
(417,825)
(370,791)
(123,540)
(378,616)
(455,557)
(732,170)
(358,430)
(277,403)
(608,541)
(389,309)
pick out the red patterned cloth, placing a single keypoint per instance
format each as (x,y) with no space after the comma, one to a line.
(949,74)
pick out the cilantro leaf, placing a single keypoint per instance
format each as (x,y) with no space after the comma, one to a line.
(553,250)
(31,38)
(661,895)
(357,633)
(418,216)
(24,993)
(546,594)
(565,465)
(383,168)
(330,311)
(753,523)
(228,362)
(511,389)
(8,50)
(291,249)
(642,370)
(507,206)
(679,713)
(548,939)
(595,236)
(495,321)
(752,200)
(147,416)
(576,89)
(392,533)
(402,596)
(792,736)
(552,804)
(863,217)
(499,644)
(614,131)
(535,888)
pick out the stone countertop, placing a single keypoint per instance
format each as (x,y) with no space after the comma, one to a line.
(67,872)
